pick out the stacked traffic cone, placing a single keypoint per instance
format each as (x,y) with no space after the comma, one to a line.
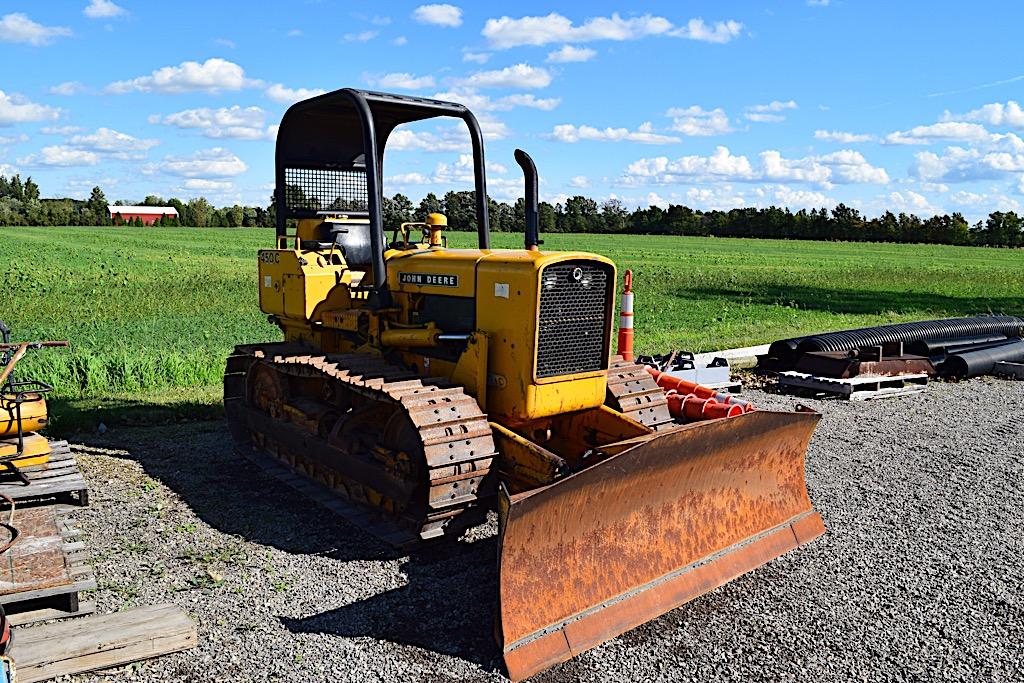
(691,401)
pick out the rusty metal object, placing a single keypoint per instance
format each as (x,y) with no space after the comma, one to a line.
(414,452)
(633,392)
(847,364)
(668,519)
(37,560)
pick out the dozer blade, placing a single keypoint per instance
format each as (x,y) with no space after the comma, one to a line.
(630,538)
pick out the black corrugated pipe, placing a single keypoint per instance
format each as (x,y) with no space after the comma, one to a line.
(982,361)
(935,347)
(787,350)
(532,232)
(907,332)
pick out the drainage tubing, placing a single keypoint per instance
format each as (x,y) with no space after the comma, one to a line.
(935,347)
(982,361)
(849,340)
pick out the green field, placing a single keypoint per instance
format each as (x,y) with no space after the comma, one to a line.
(152,313)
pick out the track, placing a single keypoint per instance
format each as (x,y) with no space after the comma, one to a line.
(413,453)
(634,393)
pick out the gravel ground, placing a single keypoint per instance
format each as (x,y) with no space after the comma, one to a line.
(918,578)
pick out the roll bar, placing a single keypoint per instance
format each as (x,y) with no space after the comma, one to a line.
(330,152)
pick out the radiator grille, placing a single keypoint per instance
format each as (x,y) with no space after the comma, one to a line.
(323,189)
(573,327)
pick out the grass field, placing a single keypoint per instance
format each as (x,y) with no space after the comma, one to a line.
(152,313)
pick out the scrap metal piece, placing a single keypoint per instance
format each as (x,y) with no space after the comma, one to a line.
(847,364)
(668,519)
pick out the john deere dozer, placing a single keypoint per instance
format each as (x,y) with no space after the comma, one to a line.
(425,385)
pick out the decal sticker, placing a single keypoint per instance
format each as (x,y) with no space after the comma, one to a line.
(429,279)
(501,289)
(267,282)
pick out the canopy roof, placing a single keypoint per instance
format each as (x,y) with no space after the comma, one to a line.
(328,130)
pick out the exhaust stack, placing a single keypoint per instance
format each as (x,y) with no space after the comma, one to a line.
(532,211)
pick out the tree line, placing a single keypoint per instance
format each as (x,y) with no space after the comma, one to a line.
(21,204)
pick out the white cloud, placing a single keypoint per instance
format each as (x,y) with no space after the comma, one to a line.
(60,130)
(67,88)
(818,3)
(294,33)
(963,198)
(461,172)
(211,76)
(448,140)
(722,163)
(102,9)
(278,93)
(401,81)
(216,162)
(999,156)
(507,32)
(205,185)
(7,170)
(842,137)
(361,36)
(527,100)
(845,166)
(399,41)
(995,114)
(579,181)
(413,178)
(226,42)
(18,28)
(476,57)
(946,130)
(849,166)
(112,143)
(60,156)
(516,76)
(644,134)
(720,32)
(697,122)
(477,102)
(769,113)
(11,139)
(910,201)
(240,123)
(438,15)
(800,199)
(570,53)
(806,169)
(492,128)
(16,108)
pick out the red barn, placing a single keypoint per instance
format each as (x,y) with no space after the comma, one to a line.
(148,214)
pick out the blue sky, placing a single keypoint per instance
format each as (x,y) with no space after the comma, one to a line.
(881,105)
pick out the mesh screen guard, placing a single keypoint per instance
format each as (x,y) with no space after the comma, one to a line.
(308,190)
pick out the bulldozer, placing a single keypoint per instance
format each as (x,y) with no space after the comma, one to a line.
(424,385)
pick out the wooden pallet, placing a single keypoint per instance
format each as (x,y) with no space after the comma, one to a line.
(860,388)
(55,650)
(43,574)
(59,479)
(1006,369)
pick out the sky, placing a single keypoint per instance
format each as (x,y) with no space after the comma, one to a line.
(902,106)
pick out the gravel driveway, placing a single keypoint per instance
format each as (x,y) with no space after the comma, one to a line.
(919,576)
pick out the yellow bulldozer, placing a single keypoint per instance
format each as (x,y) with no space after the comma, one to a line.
(425,385)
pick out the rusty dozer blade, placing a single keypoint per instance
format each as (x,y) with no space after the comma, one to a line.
(630,538)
